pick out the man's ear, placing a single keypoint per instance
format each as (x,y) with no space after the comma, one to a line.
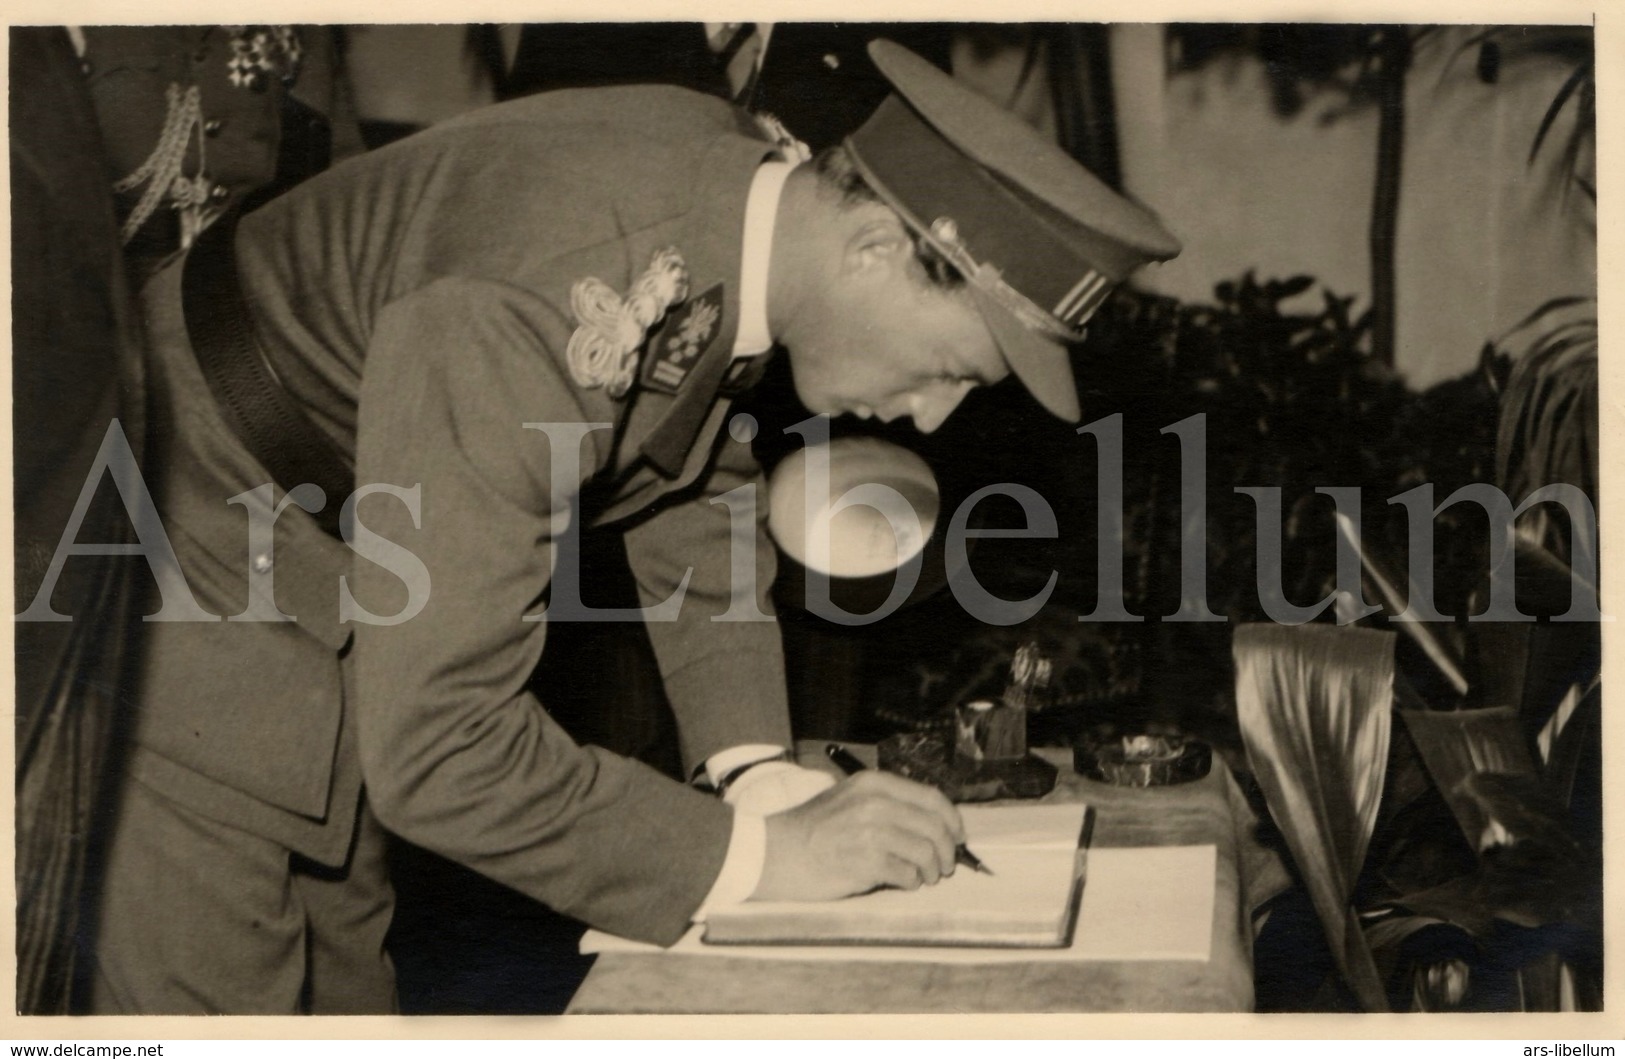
(878,242)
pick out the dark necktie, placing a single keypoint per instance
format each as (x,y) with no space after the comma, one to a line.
(744,373)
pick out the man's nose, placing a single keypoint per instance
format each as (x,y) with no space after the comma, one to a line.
(930,410)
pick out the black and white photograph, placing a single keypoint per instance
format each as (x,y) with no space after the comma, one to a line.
(876,518)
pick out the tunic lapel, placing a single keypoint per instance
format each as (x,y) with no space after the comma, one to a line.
(668,444)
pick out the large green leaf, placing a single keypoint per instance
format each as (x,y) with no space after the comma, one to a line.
(1314,706)
(1460,746)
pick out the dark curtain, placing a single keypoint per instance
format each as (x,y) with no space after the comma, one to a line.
(74,370)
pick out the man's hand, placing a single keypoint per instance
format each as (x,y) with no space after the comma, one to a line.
(873,829)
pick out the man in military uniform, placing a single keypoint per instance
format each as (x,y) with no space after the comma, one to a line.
(199,122)
(553,300)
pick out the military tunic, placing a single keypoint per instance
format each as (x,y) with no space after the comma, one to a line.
(417,300)
(200,121)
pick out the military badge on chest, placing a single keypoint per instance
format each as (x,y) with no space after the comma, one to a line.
(687,333)
(603,350)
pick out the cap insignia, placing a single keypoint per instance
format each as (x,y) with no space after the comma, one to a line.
(603,350)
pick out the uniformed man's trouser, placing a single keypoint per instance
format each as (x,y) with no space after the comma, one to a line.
(199,917)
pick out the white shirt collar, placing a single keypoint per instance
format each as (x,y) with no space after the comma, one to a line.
(761,212)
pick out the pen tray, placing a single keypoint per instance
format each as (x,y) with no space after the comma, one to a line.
(928,757)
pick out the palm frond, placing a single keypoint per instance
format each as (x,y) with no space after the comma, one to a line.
(1580,77)
(1458,745)
(1573,46)
(1548,431)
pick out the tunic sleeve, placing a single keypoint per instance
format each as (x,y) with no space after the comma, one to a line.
(721,657)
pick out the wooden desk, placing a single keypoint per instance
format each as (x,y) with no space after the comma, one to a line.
(1211,810)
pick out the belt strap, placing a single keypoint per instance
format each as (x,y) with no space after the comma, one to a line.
(271,425)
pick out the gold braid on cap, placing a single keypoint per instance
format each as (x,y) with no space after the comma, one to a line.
(943,234)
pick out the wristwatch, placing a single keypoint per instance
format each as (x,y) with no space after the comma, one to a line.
(732,775)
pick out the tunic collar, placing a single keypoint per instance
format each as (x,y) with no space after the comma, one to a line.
(711,239)
(761,213)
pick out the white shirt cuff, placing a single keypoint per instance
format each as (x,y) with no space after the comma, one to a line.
(741,867)
(771,787)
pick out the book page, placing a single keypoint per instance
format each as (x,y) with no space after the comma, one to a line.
(1142,903)
(1051,825)
(1027,901)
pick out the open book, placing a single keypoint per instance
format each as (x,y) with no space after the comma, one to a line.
(1030,901)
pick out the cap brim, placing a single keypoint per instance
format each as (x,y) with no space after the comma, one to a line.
(1019,154)
(1042,364)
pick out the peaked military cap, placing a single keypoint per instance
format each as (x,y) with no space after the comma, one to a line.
(1040,239)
